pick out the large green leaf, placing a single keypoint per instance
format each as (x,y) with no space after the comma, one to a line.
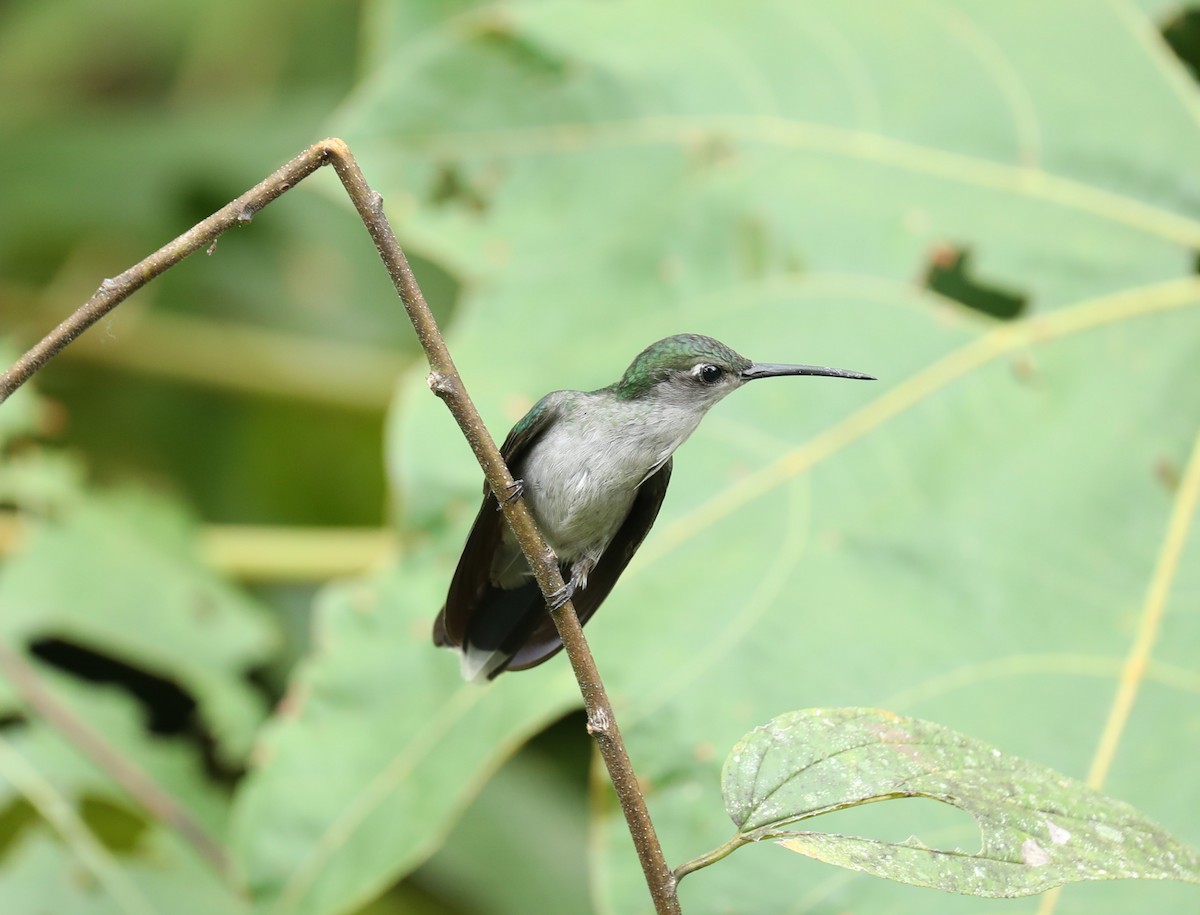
(1039,828)
(972,538)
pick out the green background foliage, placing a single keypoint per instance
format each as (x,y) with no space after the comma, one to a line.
(992,207)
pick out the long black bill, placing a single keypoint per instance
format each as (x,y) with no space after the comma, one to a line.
(770,370)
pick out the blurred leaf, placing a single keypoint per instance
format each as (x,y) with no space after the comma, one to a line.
(973,535)
(173,764)
(40,482)
(19,416)
(119,575)
(542,869)
(42,876)
(378,745)
(1040,828)
(304,268)
(82,875)
(118,146)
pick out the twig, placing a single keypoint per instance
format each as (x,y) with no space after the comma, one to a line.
(31,687)
(115,290)
(447,384)
(445,381)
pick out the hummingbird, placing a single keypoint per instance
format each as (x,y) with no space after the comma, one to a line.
(593,467)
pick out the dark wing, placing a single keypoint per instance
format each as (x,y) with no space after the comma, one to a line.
(543,643)
(472,579)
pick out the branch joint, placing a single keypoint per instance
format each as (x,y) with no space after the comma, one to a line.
(441,384)
(598,722)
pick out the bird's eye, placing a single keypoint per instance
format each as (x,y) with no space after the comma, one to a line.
(710,374)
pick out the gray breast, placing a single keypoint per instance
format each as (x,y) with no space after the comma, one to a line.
(580,480)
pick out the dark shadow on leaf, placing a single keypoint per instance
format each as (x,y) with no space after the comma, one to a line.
(15,819)
(452,188)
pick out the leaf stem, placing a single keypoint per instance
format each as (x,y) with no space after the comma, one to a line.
(712,857)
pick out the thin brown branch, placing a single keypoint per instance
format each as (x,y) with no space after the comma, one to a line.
(32,689)
(447,384)
(116,289)
(445,381)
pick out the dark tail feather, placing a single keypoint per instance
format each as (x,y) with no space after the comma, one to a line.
(440,638)
(499,627)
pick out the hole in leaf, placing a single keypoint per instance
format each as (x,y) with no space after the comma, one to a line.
(169,709)
(15,819)
(118,828)
(949,274)
(1182,35)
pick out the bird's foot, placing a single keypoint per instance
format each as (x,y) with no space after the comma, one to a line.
(561,596)
(510,494)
